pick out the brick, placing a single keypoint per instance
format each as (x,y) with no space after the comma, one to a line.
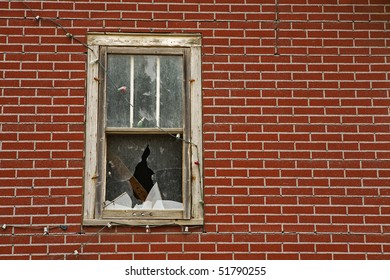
(204,247)
(281,219)
(233,209)
(378,238)
(331,248)
(377,256)
(30,249)
(233,228)
(281,238)
(298,247)
(330,209)
(265,247)
(237,247)
(183,256)
(298,209)
(281,200)
(364,248)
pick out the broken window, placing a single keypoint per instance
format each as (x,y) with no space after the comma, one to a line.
(146,170)
(145,166)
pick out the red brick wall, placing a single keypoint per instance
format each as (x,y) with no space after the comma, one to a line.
(296,145)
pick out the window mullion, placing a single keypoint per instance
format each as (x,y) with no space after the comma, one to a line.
(158,91)
(131,90)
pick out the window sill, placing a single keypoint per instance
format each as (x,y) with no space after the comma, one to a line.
(103,222)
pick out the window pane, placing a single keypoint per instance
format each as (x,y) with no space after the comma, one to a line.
(145,91)
(153,162)
(118,101)
(171,85)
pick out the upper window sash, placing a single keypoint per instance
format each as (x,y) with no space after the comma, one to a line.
(170,110)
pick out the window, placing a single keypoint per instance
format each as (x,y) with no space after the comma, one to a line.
(143,130)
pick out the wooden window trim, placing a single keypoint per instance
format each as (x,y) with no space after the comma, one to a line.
(169,43)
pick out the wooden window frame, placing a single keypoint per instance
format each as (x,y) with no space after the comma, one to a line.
(95,138)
